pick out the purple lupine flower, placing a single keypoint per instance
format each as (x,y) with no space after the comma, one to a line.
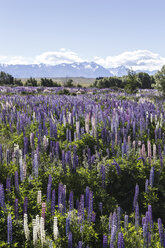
(118,217)
(90,208)
(67,225)
(53,202)
(68,159)
(108,152)
(146,186)
(105,241)
(114,221)
(161,233)
(57,150)
(21,169)
(151,176)
(8,184)
(81,209)
(49,192)
(101,207)
(2,196)
(60,189)
(93,159)
(143,220)
(16,209)
(137,215)
(87,197)
(25,206)
(89,158)
(71,201)
(118,169)
(145,231)
(120,242)
(125,222)
(64,199)
(149,238)
(16,181)
(9,229)
(80,244)
(70,240)
(25,151)
(149,151)
(136,195)
(93,218)
(113,235)
(110,222)
(35,165)
(150,215)
(161,162)
(159,133)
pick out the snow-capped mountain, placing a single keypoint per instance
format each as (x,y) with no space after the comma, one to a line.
(83,69)
(119,71)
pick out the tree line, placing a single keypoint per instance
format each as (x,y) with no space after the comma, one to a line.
(133,81)
(8,80)
(130,82)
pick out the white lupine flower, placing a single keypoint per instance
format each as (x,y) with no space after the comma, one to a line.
(134,144)
(154,151)
(45,142)
(31,139)
(26,228)
(93,121)
(151,118)
(55,228)
(64,120)
(42,230)
(77,128)
(87,123)
(34,231)
(69,118)
(24,169)
(21,169)
(39,196)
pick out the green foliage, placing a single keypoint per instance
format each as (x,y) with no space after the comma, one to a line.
(31,82)
(6,79)
(48,82)
(145,80)
(110,82)
(160,80)
(131,82)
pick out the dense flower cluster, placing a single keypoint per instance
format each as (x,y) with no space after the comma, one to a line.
(81,171)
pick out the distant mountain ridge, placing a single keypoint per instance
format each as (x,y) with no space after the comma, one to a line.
(84,69)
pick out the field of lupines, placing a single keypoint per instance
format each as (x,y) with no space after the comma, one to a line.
(83,170)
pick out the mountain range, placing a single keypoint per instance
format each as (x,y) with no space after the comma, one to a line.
(83,69)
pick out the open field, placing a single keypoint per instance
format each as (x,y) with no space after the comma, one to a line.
(82,170)
(86,82)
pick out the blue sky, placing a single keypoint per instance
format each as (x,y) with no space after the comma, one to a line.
(89,28)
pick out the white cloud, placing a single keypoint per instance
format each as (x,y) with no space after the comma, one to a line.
(137,60)
(54,58)
(15,60)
